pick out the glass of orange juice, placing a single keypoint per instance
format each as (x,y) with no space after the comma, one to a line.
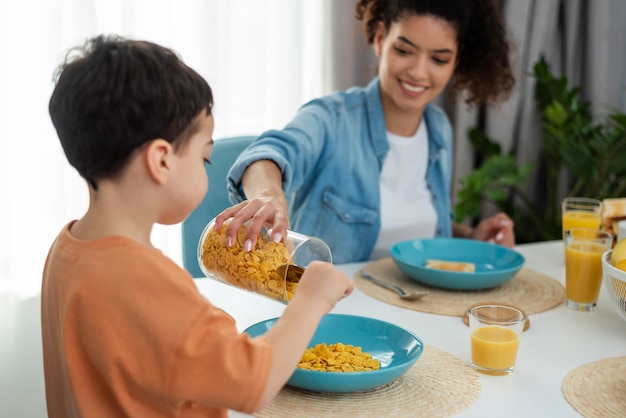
(583,266)
(495,333)
(581,212)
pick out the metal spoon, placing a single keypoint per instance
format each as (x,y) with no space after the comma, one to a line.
(403,293)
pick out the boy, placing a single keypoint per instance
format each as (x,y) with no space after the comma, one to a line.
(125,331)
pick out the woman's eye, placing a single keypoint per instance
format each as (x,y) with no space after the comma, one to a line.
(207,161)
(440,61)
(400,50)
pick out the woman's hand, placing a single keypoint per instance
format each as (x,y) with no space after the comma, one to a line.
(266,204)
(498,230)
(258,211)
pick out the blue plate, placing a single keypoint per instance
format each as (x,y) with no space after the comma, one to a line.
(396,348)
(495,264)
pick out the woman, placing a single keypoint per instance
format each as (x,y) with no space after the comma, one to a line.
(371,166)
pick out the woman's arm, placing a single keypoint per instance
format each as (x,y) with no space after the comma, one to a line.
(461,231)
(498,229)
(266,203)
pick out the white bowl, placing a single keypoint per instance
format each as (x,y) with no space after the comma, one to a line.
(615,283)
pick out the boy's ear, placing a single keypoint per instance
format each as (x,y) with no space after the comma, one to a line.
(158,157)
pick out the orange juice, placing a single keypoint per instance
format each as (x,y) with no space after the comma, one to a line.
(581,219)
(583,271)
(494,347)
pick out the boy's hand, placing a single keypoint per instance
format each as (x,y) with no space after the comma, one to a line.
(323,285)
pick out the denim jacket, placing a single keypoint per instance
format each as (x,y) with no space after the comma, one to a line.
(331,155)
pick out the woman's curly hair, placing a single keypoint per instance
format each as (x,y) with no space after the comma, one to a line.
(483,69)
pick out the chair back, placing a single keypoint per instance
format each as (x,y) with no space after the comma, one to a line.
(225,152)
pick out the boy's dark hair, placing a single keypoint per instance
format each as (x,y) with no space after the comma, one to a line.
(114,95)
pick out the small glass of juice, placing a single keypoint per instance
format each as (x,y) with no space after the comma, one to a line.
(583,266)
(495,333)
(581,212)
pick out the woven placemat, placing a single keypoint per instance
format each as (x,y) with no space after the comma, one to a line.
(438,385)
(532,291)
(598,389)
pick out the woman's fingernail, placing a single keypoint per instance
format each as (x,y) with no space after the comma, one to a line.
(229,241)
(248,245)
(499,236)
(278,237)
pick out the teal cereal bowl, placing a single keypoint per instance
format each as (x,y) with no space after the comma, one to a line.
(396,348)
(495,264)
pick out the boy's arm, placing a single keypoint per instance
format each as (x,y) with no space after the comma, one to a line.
(320,288)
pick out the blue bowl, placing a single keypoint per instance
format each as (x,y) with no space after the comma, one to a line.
(396,348)
(495,264)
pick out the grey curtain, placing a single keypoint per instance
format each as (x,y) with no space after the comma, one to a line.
(584,40)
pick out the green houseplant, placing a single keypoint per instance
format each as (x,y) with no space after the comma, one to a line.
(590,153)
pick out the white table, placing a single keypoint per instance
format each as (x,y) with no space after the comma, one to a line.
(558,341)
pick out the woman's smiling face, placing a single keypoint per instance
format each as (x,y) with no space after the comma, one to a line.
(417,59)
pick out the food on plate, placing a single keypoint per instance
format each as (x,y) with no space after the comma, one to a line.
(613,211)
(459,266)
(337,357)
(250,270)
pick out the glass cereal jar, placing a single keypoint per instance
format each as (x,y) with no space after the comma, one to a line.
(262,270)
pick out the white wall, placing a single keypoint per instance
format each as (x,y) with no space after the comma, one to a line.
(22,393)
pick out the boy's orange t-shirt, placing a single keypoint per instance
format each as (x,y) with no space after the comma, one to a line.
(126,333)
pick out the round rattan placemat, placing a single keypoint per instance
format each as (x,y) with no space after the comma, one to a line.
(532,291)
(438,385)
(598,389)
